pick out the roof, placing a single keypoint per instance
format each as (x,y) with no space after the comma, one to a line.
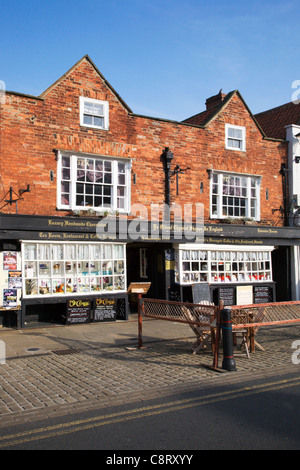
(88,59)
(274,121)
(204,118)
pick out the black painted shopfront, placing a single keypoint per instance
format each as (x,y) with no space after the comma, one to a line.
(48,262)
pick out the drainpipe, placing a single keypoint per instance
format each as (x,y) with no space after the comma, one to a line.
(284,172)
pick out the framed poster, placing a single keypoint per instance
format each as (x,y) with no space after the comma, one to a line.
(226,295)
(9,260)
(78,311)
(15,279)
(244,295)
(201,292)
(9,298)
(105,309)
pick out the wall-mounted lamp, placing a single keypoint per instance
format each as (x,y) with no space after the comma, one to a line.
(13,197)
(267,194)
(201,187)
(22,191)
(297,158)
(134,178)
(176,172)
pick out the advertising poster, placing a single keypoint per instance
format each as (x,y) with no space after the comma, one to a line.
(78,311)
(9,260)
(105,309)
(15,280)
(9,298)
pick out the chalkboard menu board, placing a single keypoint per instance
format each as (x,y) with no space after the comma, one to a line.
(174,293)
(263,294)
(105,309)
(226,294)
(78,311)
(201,292)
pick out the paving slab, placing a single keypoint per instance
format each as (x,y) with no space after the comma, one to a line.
(58,370)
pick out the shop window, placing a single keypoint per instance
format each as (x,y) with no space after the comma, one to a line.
(99,184)
(73,268)
(94,113)
(235,196)
(224,266)
(235,137)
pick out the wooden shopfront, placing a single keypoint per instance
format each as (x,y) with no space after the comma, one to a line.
(240,264)
(65,273)
(48,261)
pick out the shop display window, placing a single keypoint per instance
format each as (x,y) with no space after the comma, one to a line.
(73,268)
(223,265)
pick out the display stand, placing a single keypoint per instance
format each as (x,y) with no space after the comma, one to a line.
(139,288)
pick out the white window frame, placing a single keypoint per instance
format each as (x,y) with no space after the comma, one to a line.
(242,140)
(111,277)
(82,101)
(223,264)
(219,214)
(73,180)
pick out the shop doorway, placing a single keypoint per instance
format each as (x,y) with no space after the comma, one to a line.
(281,273)
(146,263)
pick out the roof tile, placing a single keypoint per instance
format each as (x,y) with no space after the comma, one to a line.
(274,120)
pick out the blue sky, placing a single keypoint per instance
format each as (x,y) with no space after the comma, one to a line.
(164,57)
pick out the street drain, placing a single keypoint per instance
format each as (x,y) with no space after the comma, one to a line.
(65,352)
(33,349)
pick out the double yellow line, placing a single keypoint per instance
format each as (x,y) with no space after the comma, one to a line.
(138,413)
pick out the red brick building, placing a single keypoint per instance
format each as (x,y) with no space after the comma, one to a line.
(283,122)
(84,153)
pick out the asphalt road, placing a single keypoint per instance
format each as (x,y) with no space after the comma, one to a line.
(258,414)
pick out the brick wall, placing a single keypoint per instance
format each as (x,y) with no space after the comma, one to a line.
(32,128)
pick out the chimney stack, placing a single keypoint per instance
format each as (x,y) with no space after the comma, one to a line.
(215,100)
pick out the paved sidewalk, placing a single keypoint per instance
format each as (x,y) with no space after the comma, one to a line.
(60,370)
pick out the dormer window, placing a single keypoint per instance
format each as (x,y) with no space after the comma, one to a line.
(94,113)
(235,137)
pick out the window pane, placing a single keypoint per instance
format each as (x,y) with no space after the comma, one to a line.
(98,121)
(235,133)
(234,143)
(65,173)
(66,162)
(88,119)
(98,110)
(88,107)
(107,166)
(107,178)
(121,167)
(121,179)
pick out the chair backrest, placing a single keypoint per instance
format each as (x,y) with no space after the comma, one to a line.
(258,318)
